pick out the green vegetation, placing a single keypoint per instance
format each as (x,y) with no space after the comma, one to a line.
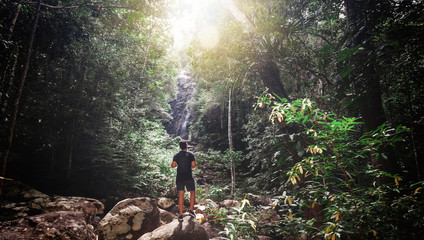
(316,104)
(91,110)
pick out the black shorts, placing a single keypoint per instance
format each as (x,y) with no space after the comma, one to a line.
(189,184)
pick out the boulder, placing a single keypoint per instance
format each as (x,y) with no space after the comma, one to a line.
(166,217)
(63,225)
(264,238)
(199,208)
(20,200)
(211,230)
(166,203)
(17,191)
(229,203)
(189,228)
(210,203)
(175,210)
(259,200)
(130,219)
(89,206)
(268,216)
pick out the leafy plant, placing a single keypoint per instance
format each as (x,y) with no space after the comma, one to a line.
(337,174)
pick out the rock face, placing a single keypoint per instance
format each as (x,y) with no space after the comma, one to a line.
(89,206)
(181,114)
(166,203)
(166,217)
(189,228)
(211,230)
(21,200)
(130,219)
(58,225)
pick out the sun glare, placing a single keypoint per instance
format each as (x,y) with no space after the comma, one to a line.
(195,20)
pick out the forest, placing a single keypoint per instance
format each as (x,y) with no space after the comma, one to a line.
(316,104)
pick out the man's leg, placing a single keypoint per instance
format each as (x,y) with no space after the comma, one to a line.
(181,201)
(192,199)
(192,189)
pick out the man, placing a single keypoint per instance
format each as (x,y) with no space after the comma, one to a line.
(185,162)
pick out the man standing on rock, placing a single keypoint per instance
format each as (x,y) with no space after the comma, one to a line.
(185,162)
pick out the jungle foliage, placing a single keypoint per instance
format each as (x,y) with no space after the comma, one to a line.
(340,155)
(315,103)
(91,110)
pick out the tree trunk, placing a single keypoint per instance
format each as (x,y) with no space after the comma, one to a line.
(270,75)
(143,69)
(18,97)
(230,134)
(8,37)
(230,144)
(266,67)
(6,94)
(366,81)
(70,153)
(13,23)
(222,116)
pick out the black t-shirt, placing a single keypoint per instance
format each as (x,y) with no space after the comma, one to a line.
(184,159)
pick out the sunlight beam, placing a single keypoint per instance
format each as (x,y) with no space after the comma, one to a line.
(195,20)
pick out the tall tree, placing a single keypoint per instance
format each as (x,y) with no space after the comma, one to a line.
(265,65)
(19,95)
(365,78)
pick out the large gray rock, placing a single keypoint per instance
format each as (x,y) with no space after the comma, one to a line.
(130,219)
(89,206)
(189,228)
(20,200)
(57,225)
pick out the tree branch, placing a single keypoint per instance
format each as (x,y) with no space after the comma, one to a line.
(85,4)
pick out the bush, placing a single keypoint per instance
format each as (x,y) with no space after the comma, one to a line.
(333,187)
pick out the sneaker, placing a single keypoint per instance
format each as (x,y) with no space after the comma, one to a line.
(191,213)
(180,218)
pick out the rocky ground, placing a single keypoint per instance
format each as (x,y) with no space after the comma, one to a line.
(26,213)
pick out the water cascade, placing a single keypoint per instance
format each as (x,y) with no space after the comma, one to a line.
(181,114)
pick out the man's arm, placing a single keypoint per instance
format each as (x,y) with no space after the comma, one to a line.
(174,164)
(193,162)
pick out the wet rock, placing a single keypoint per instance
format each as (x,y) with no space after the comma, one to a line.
(181,114)
(130,219)
(189,228)
(63,225)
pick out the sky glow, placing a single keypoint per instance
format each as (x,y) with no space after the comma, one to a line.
(195,20)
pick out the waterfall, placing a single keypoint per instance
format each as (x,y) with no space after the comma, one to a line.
(181,114)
